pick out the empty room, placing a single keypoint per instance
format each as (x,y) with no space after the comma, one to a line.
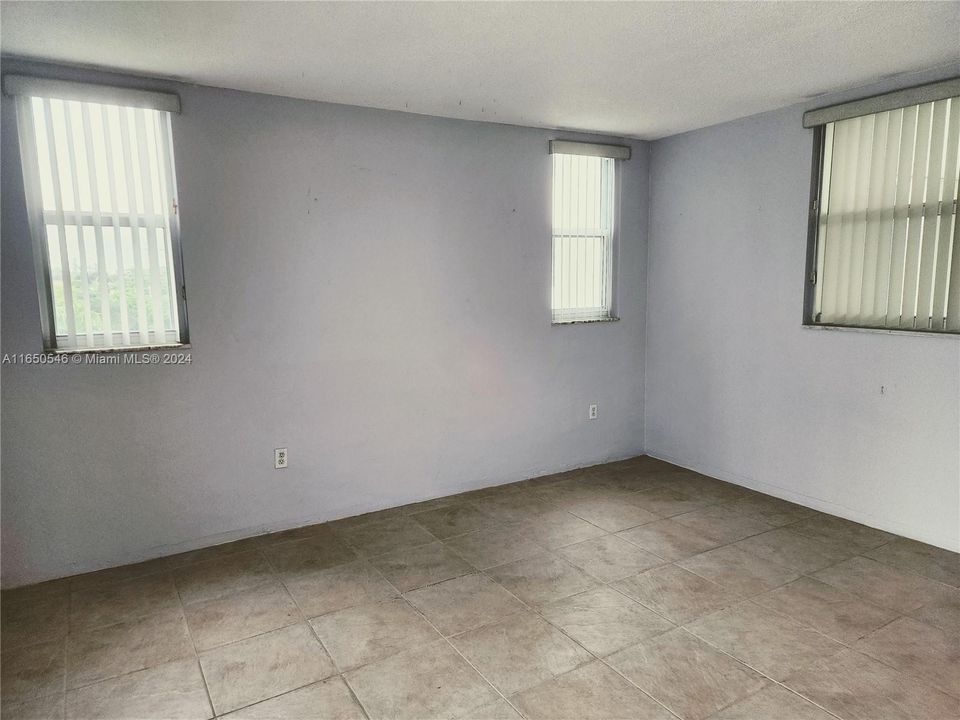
(479,360)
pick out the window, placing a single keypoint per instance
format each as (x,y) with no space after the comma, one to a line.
(99,180)
(584,192)
(884,249)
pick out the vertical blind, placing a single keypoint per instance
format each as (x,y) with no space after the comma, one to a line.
(99,183)
(887,249)
(583,212)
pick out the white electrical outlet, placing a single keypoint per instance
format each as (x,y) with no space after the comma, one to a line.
(279,458)
(592,412)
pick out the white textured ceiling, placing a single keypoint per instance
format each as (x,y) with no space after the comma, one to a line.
(643,69)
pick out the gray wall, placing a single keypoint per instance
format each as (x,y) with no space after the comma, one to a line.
(369,289)
(736,388)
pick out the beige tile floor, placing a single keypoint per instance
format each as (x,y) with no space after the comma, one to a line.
(634,589)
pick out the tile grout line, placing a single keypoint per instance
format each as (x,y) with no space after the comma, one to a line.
(139,618)
(66,647)
(340,673)
(278,579)
(845,646)
(466,660)
(196,652)
(921,679)
(447,640)
(537,612)
(356,698)
(747,598)
(755,670)
(333,661)
(595,657)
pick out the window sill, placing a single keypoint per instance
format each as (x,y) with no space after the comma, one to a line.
(585,322)
(132,349)
(880,331)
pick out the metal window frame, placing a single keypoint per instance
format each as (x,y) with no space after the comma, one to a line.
(176,250)
(813,225)
(811,271)
(38,233)
(38,230)
(611,281)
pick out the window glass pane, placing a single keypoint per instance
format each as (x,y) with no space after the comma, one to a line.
(885,236)
(103,176)
(582,237)
(43,155)
(60,155)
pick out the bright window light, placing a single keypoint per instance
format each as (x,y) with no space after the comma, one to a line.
(583,212)
(100,187)
(887,253)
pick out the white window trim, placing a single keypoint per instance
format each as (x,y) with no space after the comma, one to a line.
(607,312)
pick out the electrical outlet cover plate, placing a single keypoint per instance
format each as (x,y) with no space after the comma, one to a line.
(279,458)
(592,412)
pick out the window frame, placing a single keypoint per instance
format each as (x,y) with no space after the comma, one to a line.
(615,154)
(37,214)
(813,228)
(809,320)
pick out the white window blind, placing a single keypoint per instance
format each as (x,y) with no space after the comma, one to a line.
(583,225)
(100,188)
(887,254)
